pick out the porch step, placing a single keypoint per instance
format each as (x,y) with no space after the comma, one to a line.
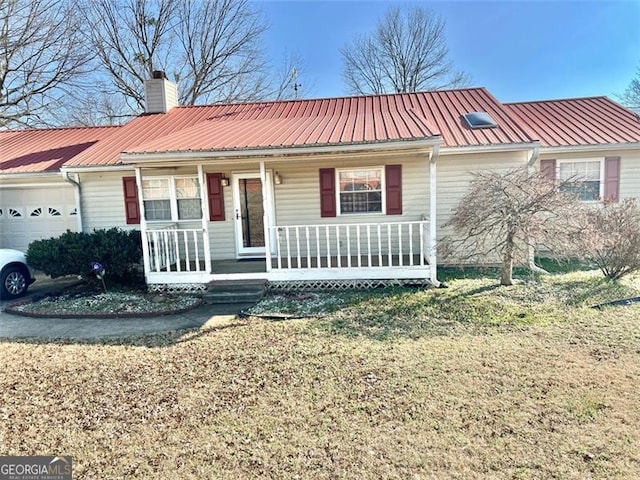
(236,291)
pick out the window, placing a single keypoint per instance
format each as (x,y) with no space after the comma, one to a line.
(172,198)
(480,120)
(584,177)
(360,191)
(156,196)
(188,198)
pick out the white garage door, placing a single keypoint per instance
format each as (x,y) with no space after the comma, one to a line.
(28,214)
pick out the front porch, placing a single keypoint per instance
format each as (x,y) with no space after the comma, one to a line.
(242,221)
(390,250)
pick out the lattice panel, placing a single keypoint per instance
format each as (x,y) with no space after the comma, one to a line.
(359,284)
(177,287)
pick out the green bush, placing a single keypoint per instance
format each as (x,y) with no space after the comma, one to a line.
(119,251)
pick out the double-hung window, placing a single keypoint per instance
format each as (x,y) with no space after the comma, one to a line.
(360,190)
(582,177)
(171,198)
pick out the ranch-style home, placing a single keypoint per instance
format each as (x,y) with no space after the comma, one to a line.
(350,190)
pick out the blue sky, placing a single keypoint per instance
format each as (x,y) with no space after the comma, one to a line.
(518,50)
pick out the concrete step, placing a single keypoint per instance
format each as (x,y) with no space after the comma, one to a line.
(234,292)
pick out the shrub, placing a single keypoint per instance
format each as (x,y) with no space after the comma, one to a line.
(612,240)
(119,251)
(505,214)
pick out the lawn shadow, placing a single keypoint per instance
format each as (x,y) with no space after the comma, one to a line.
(404,313)
(147,340)
(591,291)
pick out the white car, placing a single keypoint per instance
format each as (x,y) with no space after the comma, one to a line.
(15,276)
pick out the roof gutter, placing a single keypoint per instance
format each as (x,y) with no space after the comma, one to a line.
(140,158)
(591,148)
(503,147)
(96,169)
(77,190)
(29,175)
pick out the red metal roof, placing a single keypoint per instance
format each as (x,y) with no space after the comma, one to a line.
(301,123)
(45,150)
(577,121)
(333,121)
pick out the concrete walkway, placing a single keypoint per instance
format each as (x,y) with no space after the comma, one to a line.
(15,326)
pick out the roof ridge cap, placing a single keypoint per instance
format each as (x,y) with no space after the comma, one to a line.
(339,97)
(567,99)
(51,129)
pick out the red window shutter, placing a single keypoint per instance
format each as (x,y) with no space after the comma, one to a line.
(131,203)
(612,178)
(548,169)
(327,192)
(215,194)
(393,179)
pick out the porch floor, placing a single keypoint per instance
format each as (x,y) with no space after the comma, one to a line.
(258,265)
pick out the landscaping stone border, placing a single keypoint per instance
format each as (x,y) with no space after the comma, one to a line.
(11,310)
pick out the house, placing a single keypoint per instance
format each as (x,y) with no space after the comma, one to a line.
(336,191)
(36,200)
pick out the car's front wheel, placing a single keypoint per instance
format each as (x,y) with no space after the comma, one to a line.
(14,282)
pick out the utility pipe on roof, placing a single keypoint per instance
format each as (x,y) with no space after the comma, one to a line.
(433,267)
(78,198)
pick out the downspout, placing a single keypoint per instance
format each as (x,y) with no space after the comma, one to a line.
(77,194)
(535,154)
(531,164)
(433,267)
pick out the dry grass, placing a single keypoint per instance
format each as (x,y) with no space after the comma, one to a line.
(460,394)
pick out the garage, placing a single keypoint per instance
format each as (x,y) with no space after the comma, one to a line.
(35,212)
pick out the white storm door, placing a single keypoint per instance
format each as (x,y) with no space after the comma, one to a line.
(249,213)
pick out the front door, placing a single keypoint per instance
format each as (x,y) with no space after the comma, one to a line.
(249,213)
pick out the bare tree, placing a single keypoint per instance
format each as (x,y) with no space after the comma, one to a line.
(631,96)
(211,48)
(222,59)
(41,59)
(612,239)
(289,79)
(407,52)
(131,38)
(503,215)
(95,106)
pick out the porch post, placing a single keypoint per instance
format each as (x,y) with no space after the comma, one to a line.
(265,218)
(433,267)
(143,227)
(205,219)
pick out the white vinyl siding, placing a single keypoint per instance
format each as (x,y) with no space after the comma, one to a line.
(298,197)
(455,172)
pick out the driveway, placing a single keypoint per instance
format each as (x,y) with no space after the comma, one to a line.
(44,284)
(15,326)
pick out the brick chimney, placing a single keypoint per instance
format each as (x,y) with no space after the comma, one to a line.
(160,94)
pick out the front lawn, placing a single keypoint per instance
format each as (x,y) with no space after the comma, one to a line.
(475,381)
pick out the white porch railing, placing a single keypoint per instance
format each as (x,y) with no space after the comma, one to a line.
(176,250)
(397,244)
(299,252)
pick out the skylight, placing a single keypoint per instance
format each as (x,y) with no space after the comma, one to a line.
(480,120)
